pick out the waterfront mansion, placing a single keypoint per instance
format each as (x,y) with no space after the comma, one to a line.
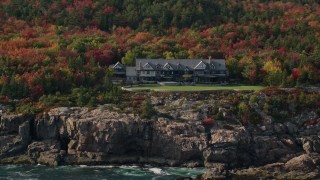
(177,70)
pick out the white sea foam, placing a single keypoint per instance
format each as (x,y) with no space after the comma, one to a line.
(128,167)
(157,171)
(94,172)
(133,174)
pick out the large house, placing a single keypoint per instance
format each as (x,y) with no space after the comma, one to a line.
(178,70)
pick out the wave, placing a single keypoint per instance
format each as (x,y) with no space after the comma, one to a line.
(158,171)
(129,167)
(134,174)
(95,172)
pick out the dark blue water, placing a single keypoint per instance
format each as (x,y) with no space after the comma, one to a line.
(95,172)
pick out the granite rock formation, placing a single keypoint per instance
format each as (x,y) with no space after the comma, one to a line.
(94,136)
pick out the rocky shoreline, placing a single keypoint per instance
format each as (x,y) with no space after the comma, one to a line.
(70,136)
(96,136)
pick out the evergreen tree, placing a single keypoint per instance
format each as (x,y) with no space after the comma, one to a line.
(148,110)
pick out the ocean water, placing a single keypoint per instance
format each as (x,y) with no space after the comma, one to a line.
(40,172)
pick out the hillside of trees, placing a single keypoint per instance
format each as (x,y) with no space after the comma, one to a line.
(54,48)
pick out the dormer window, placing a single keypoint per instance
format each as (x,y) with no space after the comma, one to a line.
(167,66)
(147,66)
(201,65)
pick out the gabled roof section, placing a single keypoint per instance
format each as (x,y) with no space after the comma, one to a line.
(169,66)
(118,65)
(149,66)
(201,66)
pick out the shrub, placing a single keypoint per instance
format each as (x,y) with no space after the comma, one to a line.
(244,113)
(253,99)
(26,108)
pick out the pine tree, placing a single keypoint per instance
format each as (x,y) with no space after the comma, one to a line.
(148,110)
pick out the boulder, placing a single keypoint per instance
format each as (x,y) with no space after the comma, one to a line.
(46,152)
(303,163)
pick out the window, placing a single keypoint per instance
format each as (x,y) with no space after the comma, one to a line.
(148,72)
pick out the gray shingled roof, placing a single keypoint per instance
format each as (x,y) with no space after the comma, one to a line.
(131,71)
(190,63)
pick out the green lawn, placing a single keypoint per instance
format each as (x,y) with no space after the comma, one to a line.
(197,88)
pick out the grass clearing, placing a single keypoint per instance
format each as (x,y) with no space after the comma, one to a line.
(196,88)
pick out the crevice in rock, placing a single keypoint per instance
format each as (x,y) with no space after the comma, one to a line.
(64,141)
(32,128)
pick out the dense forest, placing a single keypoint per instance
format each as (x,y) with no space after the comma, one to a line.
(51,49)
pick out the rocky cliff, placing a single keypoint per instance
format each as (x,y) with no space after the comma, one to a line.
(99,136)
(175,137)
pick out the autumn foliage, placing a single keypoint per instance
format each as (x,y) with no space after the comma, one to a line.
(49,47)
